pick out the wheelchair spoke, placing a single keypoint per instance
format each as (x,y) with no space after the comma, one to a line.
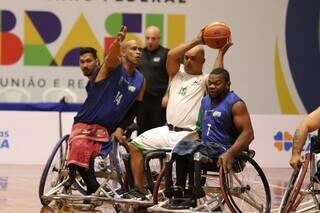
(246,192)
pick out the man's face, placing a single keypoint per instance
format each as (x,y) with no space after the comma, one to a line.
(193,61)
(133,52)
(88,64)
(152,39)
(217,85)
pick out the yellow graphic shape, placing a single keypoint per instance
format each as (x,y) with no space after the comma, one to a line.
(175,30)
(80,35)
(286,103)
(31,35)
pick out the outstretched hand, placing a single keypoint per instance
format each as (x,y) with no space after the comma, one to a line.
(121,35)
(199,36)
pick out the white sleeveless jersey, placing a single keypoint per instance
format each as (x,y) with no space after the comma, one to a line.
(185,94)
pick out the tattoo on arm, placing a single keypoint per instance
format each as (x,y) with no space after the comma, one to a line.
(296,135)
(297,146)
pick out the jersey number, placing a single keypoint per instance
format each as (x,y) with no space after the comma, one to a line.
(118,98)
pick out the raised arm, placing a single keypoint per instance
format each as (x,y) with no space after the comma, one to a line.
(309,124)
(175,54)
(219,59)
(241,119)
(113,58)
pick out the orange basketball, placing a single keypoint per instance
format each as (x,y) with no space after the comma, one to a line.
(216,35)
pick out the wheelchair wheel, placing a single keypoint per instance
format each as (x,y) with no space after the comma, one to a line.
(289,201)
(289,191)
(247,189)
(153,169)
(55,172)
(159,183)
(109,172)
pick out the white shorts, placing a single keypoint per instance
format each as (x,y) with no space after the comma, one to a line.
(162,138)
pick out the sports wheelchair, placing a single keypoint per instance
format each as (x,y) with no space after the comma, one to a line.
(56,173)
(153,165)
(112,172)
(243,189)
(109,171)
(295,198)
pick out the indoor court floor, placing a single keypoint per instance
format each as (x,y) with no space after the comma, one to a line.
(19,190)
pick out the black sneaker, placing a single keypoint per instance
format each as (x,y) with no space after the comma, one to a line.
(135,193)
(182,203)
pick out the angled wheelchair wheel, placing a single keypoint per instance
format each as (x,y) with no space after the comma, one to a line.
(247,188)
(292,197)
(55,172)
(154,163)
(109,172)
(289,191)
(156,196)
(114,170)
(159,184)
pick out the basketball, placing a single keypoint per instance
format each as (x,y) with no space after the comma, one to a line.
(216,35)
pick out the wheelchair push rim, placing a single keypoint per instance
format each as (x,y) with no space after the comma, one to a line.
(297,184)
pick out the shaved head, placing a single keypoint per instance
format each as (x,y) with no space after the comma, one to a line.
(153,30)
(197,51)
(129,43)
(194,60)
(152,38)
(131,51)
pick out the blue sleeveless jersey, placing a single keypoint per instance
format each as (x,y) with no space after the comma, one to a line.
(217,121)
(109,100)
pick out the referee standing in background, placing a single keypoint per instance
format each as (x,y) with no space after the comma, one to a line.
(152,64)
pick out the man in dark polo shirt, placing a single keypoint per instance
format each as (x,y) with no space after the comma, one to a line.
(153,66)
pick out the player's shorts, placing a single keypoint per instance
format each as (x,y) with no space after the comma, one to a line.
(162,138)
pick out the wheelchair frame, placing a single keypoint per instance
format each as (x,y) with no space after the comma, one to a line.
(294,196)
(115,196)
(57,164)
(225,192)
(56,192)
